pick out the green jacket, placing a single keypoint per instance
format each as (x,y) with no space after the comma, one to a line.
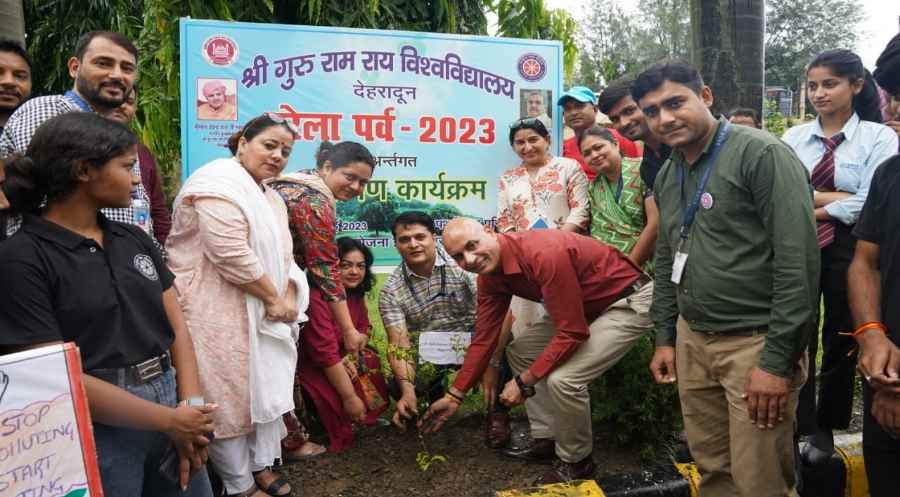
(753,261)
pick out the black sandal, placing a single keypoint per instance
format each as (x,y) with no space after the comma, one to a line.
(276,484)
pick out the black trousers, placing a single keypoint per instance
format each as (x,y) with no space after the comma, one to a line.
(880,451)
(837,372)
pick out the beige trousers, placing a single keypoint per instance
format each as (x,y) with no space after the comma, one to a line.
(561,408)
(734,457)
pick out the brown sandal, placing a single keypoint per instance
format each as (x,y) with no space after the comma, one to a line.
(278,483)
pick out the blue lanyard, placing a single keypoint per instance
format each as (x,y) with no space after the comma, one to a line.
(690,213)
(619,187)
(79,101)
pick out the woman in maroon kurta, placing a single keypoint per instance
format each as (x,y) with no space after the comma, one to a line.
(323,373)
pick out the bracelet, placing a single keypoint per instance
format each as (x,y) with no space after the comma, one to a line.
(494,363)
(453,398)
(871,325)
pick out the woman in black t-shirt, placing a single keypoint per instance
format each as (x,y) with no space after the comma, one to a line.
(70,274)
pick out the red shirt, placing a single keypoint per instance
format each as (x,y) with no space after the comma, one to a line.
(626,146)
(576,277)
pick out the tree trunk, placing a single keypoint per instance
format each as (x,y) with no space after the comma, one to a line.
(12,20)
(728,48)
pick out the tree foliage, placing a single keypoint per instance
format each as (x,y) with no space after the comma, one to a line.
(796,30)
(53,26)
(614,41)
(530,19)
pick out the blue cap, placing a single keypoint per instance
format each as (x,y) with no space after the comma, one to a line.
(582,94)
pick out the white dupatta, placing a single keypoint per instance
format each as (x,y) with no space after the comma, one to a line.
(273,345)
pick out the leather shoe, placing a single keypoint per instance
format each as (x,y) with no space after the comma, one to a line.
(814,456)
(497,430)
(567,471)
(541,450)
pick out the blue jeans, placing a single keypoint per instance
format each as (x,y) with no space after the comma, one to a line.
(129,459)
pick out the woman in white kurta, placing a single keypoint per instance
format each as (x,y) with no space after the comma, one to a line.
(242,295)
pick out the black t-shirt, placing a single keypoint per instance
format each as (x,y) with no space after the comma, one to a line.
(879,223)
(652,163)
(58,285)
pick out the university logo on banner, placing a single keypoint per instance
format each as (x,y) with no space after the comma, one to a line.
(532,67)
(220,50)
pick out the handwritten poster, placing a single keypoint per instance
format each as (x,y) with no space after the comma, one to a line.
(46,443)
(434,109)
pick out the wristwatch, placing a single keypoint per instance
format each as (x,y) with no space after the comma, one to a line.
(527,390)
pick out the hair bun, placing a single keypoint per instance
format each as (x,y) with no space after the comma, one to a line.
(21,186)
(324,151)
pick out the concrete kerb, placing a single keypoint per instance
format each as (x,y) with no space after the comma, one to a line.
(843,475)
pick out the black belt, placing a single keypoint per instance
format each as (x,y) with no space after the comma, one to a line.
(642,280)
(750,332)
(137,374)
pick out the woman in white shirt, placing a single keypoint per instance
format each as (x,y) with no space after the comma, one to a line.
(841,149)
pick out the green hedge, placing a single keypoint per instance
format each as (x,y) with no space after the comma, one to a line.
(639,412)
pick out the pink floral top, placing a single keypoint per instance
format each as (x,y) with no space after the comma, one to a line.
(557,195)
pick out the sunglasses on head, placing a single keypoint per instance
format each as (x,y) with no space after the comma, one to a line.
(277,119)
(528,122)
(283,120)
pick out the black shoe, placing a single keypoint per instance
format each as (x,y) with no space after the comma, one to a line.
(568,471)
(541,450)
(811,455)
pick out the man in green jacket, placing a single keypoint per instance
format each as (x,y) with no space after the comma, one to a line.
(737,268)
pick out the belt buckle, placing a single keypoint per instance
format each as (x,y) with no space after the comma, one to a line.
(149,369)
(639,283)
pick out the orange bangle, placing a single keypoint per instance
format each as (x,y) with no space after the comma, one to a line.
(871,325)
(452,398)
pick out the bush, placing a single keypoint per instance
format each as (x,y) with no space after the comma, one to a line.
(775,122)
(641,413)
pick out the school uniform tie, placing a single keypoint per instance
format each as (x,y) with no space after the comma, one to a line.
(823,180)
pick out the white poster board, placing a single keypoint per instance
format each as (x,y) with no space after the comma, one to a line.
(46,441)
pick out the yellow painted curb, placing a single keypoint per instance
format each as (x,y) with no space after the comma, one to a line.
(579,488)
(849,448)
(691,474)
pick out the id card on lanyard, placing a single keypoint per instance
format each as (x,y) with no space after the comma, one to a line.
(690,213)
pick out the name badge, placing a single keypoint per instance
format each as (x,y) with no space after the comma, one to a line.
(443,347)
(678,266)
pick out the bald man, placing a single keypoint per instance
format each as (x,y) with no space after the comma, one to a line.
(217,107)
(597,304)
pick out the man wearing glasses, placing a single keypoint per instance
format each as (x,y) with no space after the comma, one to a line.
(428,309)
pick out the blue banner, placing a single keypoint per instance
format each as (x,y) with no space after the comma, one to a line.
(434,109)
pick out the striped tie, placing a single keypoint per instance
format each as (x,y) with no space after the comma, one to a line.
(823,180)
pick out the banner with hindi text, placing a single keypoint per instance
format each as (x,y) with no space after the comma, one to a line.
(434,109)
